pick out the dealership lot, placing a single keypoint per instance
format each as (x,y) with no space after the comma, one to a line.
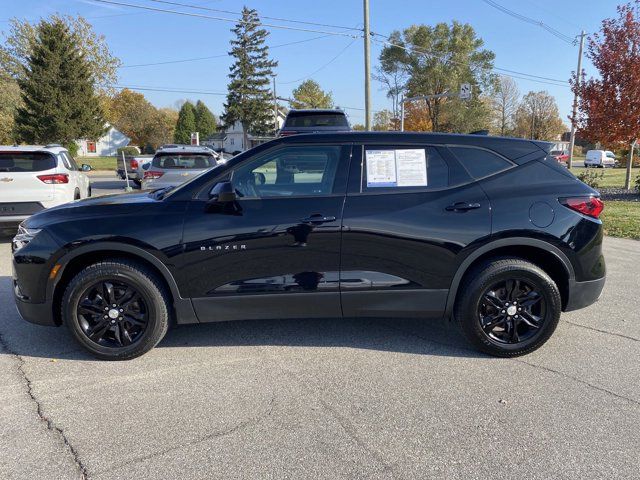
(329,399)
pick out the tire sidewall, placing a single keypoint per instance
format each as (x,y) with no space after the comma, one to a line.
(157,311)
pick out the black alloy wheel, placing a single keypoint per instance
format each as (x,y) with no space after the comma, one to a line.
(511,311)
(112,314)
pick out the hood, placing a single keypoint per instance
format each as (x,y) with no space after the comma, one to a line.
(115,204)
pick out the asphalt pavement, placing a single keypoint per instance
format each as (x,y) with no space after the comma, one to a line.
(328,399)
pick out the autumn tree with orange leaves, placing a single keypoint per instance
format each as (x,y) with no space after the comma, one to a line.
(609,106)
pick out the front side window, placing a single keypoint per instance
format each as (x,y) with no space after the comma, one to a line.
(403,168)
(480,163)
(290,171)
(183,161)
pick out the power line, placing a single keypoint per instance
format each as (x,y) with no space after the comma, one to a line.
(184,60)
(323,66)
(223,19)
(279,19)
(523,76)
(164,89)
(531,21)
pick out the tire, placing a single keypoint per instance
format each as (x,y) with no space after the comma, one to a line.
(89,192)
(473,309)
(76,194)
(145,317)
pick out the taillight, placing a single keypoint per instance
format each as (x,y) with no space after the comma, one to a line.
(56,178)
(134,164)
(589,206)
(151,174)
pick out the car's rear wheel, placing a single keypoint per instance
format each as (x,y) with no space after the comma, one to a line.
(116,309)
(508,307)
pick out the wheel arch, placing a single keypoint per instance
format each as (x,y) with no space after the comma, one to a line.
(543,254)
(84,256)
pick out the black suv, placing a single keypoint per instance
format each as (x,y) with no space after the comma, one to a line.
(489,231)
(314,121)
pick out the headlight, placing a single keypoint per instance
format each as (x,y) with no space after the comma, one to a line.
(23,237)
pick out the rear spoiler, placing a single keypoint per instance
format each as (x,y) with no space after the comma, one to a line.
(544,146)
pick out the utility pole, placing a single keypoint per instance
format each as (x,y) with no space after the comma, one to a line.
(367,69)
(572,140)
(275,108)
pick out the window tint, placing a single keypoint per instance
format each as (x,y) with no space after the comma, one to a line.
(290,171)
(191,161)
(26,162)
(389,169)
(71,161)
(316,119)
(480,163)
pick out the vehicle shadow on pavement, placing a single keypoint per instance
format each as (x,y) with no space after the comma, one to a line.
(414,336)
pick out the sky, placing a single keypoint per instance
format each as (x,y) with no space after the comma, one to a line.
(141,37)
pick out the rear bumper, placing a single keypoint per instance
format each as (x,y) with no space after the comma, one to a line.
(583,294)
(38,313)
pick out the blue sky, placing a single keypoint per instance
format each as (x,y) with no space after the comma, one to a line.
(140,37)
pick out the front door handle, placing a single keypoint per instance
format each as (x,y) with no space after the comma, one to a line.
(462,207)
(318,218)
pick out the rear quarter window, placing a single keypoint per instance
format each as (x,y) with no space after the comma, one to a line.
(26,162)
(480,163)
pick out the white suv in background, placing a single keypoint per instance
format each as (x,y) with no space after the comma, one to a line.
(33,178)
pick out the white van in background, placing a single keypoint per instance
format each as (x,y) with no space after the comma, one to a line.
(33,178)
(600,159)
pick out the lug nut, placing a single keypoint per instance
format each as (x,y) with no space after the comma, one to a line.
(113,321)
(508,318)
(114,304)
(119,318)
(519,309)
(121,310)
(106,308)
(106,316)
(515,316)
(504,311)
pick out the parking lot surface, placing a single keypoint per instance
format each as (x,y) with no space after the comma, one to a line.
(328,399)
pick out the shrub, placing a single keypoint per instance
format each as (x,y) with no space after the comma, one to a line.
(130,150)
(591,177)
(73,148)
(638,184)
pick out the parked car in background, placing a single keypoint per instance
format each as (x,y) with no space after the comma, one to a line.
(33,178)
(600,159)
(172,166)
(562,156)
(134,164)
(314,121)
(490,232)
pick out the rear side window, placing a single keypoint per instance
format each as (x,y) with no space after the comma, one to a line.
(480,163)
(316,119)
(26,162)
(401,169)
(183,161)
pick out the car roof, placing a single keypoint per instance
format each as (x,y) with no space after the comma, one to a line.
(316,110)
(33,148)
(509,147)
(185,149)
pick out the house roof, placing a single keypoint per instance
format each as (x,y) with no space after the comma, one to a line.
(216,136)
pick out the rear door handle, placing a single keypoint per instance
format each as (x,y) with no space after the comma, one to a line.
(462,207)
(318,218)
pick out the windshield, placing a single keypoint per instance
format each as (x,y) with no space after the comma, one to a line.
(26,162)
(316,119)
(183,161)
(557,152)
(610,154)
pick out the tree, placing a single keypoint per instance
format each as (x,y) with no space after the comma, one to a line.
(505,98)
(310,95)
(205,121)
(249,97)
(437,60)
(609,106)
(9,100)
(537,117)
(392,73)
(59,103)
(358,127)
(186,123)
(384,121)
(22,35)
(416,117)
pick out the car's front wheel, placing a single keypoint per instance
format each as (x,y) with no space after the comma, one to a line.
(508,307)
(116,309)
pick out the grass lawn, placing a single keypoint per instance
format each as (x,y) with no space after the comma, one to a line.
(98,163)
(622,219)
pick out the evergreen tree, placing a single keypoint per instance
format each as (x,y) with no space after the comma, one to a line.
(186,123)
(249,97)
(205,121)
(59,101)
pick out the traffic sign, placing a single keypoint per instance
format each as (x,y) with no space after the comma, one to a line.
(465,91)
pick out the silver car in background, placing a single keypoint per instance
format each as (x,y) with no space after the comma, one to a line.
(173,166)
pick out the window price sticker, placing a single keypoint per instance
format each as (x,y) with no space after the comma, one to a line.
(396,168)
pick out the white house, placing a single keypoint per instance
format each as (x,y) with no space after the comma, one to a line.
(233,140)
(105,146)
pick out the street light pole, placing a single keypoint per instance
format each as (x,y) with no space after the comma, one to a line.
(275,108)
(367,69)
(572,140)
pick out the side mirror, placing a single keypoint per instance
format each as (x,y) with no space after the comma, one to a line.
(222,192)
(85,167)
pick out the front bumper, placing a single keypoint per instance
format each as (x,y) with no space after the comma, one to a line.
(583,294)
(38,313)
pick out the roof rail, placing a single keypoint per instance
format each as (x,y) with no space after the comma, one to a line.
(479,132)
(51,145)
